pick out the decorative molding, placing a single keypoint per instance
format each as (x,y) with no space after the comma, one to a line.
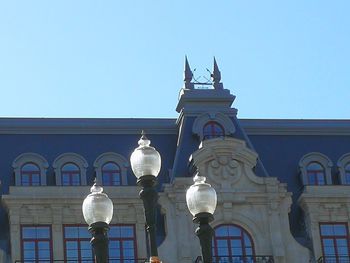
(115,158)
(224,160)
(295,127)
(70,158)
(199,100)
(35,158)
(343,161)
(319,158)
(167,126)
(87,126)
(218,117)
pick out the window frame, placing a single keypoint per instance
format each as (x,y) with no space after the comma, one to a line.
(213,129)
(229,238)
(315,173)
(334,238)
(30,174)
(225,121)
(319,158)
(70,175)
(33,158)
(79,259)
(111,174)
(74,158)
(113,157)
(36,240)
(111,239)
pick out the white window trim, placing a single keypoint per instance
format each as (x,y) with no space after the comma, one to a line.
(218,117)
(115,158)
(35,158)
(70,158)
(319,158)
(342,162)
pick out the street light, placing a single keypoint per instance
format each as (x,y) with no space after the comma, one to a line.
(201,200)
(145,164)
(98,213)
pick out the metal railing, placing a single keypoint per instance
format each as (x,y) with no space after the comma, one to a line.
(111,260)
(239,259)
(334,259)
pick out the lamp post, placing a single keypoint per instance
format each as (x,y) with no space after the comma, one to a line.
(201,200)
(145,164)
(98,213)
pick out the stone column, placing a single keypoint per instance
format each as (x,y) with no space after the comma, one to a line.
(57,232)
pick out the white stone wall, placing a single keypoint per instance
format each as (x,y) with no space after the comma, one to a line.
(326,204)
(259,205)
(56,206)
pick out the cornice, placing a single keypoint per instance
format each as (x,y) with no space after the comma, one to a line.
(166,126)
(295,127)
(86,126)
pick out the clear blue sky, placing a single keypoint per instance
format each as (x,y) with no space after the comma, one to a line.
(64,58)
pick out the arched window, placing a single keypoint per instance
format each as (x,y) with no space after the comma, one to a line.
(213,123)
(212,129)
(315,174)
(70,169)
(111,169)
(30,174)
(232,243)
(30,169)
(111,174)
(315,169)
(70,174)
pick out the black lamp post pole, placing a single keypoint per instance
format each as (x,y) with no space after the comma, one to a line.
(149,196)
(99,241)
(205,234)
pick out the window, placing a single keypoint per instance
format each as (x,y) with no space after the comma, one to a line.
(36,244)
(111,169)
(77,243)
(213,124)
(232,243)
(111,174)
(122,243)
(70,174)
(213,130)
(335,242)
(315,169)
(315,174)
(30,169)
(70,169)
(344,169)
(30,174)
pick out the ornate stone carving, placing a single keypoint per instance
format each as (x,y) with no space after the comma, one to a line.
(223,166)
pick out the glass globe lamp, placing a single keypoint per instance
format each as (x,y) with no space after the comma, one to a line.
(97,207)
(145,160)
(201,198)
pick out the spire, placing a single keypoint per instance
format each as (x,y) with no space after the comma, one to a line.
(216,76)
(188,75)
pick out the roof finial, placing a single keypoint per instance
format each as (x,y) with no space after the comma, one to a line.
(188,75)
(216,76)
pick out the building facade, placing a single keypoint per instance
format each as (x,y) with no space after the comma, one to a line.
(283,185)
